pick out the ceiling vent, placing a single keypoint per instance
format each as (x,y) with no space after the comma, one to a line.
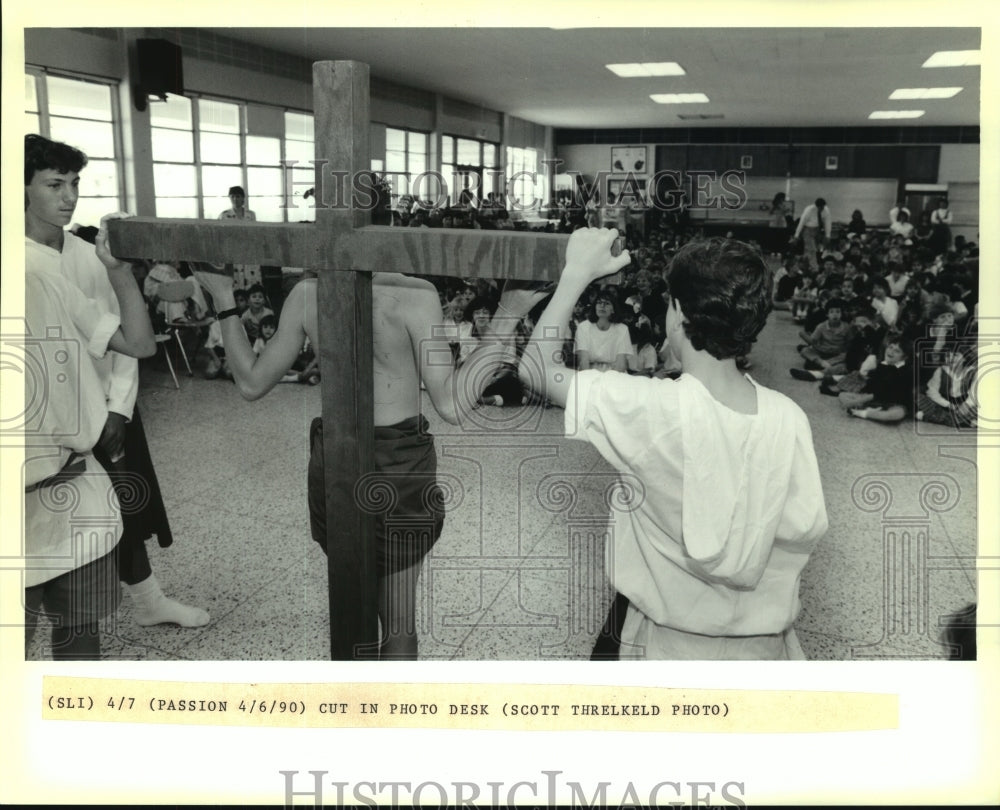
(701,117)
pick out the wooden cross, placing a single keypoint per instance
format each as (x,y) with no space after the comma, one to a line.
(341,239)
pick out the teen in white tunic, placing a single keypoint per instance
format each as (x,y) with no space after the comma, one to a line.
(731,503)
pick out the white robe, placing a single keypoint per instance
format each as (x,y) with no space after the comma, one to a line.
(74,523)
(729,506)
(119,372)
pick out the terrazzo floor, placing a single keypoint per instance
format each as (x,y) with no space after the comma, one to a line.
(518,573)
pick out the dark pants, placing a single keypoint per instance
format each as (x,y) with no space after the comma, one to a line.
(402,493)
(609,642)
(143,512)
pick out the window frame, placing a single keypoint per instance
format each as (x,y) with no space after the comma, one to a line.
(40,76)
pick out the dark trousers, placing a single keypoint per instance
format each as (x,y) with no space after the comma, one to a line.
(609,642)
(138,491)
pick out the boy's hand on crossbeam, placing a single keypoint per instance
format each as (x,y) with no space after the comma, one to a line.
(101,244)
(589,256)
(216,279)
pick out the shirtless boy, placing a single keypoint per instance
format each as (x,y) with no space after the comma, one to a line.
(407,318)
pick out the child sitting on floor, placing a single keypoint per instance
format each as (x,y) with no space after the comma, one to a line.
(268,326)
(803,300)
(824,349)
(861,355)
(950,396)
(887,396)
(257,310)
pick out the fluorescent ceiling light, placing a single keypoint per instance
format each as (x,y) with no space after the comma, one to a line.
(953,59)
(632,69)
(679,98)
(924,92)
(896,114)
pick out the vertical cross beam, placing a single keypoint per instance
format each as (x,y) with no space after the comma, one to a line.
(341,106)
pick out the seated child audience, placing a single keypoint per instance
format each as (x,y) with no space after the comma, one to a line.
(826,346)
(887,395)
(256,310)
(887,308)
(949,398)
(897,279)
(268,326)
(786,282)
(861,356)
(601,341)
(804,300)
(475,321)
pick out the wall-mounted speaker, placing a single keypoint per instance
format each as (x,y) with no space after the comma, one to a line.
(158,70)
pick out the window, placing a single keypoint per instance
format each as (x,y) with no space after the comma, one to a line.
(175,178)
(221,155)
(405,160)
(84,114)
(529,190)
(299,147)
(470,165)
(201,148)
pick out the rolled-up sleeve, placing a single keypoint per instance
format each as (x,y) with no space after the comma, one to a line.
(617,413)
(95,322)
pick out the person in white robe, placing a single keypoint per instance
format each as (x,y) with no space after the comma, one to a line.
(728,499)
(72,517)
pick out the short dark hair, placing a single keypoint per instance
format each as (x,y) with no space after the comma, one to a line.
(836,303)
(256,288)
(937,310)
(480,302)
(724,289)
(603,294)
(268,320)
(900,339)
(236,190)
(241,293)
(40,154)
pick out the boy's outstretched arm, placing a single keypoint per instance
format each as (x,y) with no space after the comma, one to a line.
(454,392)
(588,258)
(254,375)
(135,335)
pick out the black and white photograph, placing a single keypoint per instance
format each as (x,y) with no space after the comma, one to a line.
(503,351)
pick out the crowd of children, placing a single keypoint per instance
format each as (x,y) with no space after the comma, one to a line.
(617,324)
(889,326)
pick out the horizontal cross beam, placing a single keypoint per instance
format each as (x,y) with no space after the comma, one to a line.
(456,252)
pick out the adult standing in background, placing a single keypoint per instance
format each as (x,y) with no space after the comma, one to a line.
(244,275)
(815,227)
(780,220)
(940,241)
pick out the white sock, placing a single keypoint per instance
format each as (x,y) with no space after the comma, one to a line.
(152,606)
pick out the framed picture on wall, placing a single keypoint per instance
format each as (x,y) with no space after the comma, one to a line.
(831,163)
(746,161)
(629,159)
